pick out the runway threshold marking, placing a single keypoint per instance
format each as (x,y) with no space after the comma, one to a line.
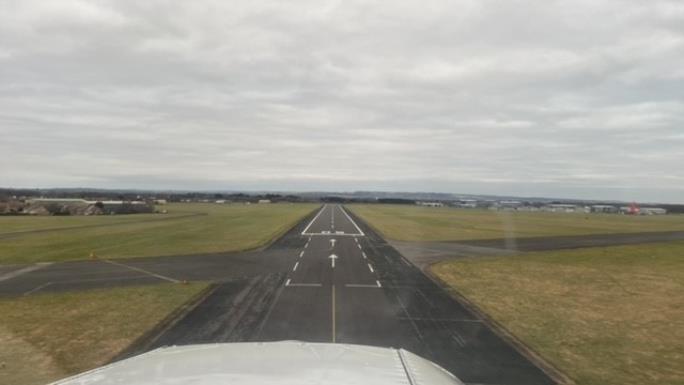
(22,271)
(290,284)
(162,277)
(295,266)
(301,254)
(371,268)
(364,255)
(365,285)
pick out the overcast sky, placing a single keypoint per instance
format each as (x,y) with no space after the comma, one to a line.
(548,98)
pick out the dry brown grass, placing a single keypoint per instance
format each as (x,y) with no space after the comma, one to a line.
(603,316)
(49,336)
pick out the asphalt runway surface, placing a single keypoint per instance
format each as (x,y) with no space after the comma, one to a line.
(345,284)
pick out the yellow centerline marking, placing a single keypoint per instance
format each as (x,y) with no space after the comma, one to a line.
(333,314)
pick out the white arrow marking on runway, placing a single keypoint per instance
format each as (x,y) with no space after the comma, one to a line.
(332,243)
(332,257)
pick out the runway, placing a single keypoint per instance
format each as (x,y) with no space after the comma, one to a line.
(345,284)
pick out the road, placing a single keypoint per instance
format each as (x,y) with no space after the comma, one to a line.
(345,284)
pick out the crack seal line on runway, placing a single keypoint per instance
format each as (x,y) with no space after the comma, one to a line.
(162,277)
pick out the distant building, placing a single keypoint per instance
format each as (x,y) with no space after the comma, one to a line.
(70,201)
(430,204)
(12,206)
(69,206)
(264,201)
(528,208)
(652,211)
(508,205)
(160,201)
(220,201)
(465,204)
(561,208)
(606,209)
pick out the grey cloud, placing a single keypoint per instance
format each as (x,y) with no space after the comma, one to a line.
(518,97)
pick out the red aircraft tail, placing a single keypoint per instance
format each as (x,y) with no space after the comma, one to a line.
(634,209)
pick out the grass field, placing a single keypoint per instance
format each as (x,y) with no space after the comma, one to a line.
(603,316)
(413,223)
(12,224)
(231,227)
(48,336)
